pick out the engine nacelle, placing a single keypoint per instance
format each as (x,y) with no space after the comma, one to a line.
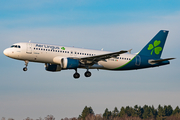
(68,63)
(52,67)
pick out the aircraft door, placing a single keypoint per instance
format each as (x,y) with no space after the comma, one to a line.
(138,60)
(29,48)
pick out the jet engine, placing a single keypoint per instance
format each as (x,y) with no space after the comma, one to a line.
(68,63)
(52,67)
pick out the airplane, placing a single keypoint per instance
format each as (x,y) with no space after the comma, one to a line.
(57,58)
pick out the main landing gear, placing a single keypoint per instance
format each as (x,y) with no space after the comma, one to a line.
(26,64)
(76,74)
(86,74)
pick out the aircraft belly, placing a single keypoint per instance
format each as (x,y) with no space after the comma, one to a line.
(112,64)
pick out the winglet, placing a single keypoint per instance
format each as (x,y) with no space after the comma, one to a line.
(129,51)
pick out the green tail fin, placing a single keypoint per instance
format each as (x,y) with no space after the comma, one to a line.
(155,47)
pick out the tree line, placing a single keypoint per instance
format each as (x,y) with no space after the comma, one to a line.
(133,113)
(125,113)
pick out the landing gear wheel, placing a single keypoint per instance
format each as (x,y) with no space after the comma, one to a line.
(25,69)
(87,74)
(76,75)
(26,64)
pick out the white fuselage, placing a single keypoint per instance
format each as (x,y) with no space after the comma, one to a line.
(57,58)
(45,53)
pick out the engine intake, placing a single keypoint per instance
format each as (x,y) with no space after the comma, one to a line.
(52,67)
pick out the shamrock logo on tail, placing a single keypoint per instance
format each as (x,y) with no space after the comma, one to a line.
(154,47)
(63,48)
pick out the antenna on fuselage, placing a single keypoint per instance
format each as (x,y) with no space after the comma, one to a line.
(29,41)
(102,49)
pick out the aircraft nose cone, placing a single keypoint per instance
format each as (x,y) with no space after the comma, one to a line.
(5,52)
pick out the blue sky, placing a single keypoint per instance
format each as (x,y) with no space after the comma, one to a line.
(95,24)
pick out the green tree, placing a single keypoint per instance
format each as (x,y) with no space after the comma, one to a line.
(168,110)
(161,112)
(129,111)
(107,114)
(176,110)
(86,112)
(136,110)
(115,112)
(122,113)
(140,112)
(146,112)
(153,112)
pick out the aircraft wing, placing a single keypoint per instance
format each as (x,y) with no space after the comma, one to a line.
(94,59)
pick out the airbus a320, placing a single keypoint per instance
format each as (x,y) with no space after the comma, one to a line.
(57,58)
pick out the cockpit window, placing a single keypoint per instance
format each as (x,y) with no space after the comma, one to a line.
(15,46)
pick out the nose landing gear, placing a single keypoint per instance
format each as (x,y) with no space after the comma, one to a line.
(26,64)
(25,69)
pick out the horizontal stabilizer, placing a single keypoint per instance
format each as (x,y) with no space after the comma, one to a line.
(160,60)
